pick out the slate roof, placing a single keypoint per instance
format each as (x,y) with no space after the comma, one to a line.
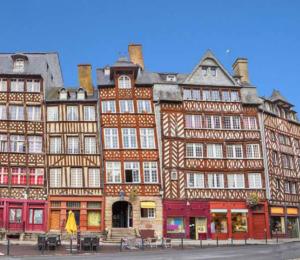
(276,96)
(44,64)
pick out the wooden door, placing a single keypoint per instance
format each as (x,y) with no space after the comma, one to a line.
(55,220)
(1,218)
(259,225)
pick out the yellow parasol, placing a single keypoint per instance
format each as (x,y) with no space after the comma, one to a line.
(71,226)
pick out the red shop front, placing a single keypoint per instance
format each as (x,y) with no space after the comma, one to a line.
(236,220)
(187,219)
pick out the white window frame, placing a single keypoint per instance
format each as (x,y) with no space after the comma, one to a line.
(73,144)
(16,112)
(150,172)
(19,65)
(33,85)
(3,143)
(3,85)
(55,144)
(113,172)
(72,113)
(108,106)
(124,82)
(17,144)
(35,144)
(135,168)
(52,113)
(94,177)
(17,85)
(195,180)
(250,123)
(144,106)
(3,112)
(126,106)
(236,181)
(193,121)
(55,177)
(89,113)
(76,180)
(34,113)
(194,150)
(129,138)
(213,122)
(254,180)
(235,151)
(213,152)
(90,145)
(253,151)
(147,137)
(215,180)
(111,138)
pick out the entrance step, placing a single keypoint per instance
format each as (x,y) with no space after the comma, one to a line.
(118,233)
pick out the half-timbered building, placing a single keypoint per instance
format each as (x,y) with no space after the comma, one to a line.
(281,144)
(212,164)
(24,79)
(73,155)
(130,147)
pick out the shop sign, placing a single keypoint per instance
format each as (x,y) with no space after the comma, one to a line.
(292,211)
(277,210)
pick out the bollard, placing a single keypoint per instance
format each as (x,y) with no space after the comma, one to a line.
(266,236)
(71,246)
(162,243)
(8,247)
(142,243)
(245,239)
(121,244)
(200,242)
(276,236)
(217,240)
(232,241)
(182,243)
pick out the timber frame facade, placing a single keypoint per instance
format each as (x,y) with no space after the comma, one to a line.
(282,153)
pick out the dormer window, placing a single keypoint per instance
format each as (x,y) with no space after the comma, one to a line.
(171,78)
(204,70)
(81,94)
(213,71)
(124,82)
(63,95)
(19,65)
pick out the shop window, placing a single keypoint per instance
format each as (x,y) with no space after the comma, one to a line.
(148,213)
(218,223)
(175,225)
(239,222)
(94,205)
(94,218)
(277,225)
(15,216)
(36,216)
(73,204)
(55,204)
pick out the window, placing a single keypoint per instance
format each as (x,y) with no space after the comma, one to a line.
(113,172)
(239,222)
(36,216)
(277,225)
(55,145)
(216,181)
(3,143)
(272,135)
(234,151)
(19,65)
(132,172)
(277,183)
(15,216)
(111,138)
(235,96)
(17,85)
(55,178)
(213,122)
(287,161)
(126,106)
(80,94)
(231,122)
(293,187)
(33,86)
(250,123)
(52,113)
(218,223)
(213,71)
(147,212)
(16,112)
(206,95)
(236,181)
(287,187)
(194,150)
(76,177)
(124,82)
(94,178)
(129,138)
(193,121)
(35,144)
(89,113)
(36,176)
(254,180)
(18,176)
(215,95)
(108,106)
(226,96)
(275,158)
(3,85)
(204,71)
(195,180)
(34,113)
(90,145)
(3,175)
(296,141)
(150,172)
(253,151)
(284,139)
(63,94)
(17,144)
(171,78)
(72,113)
(175,225)
(147,138)
(187,94)
(214,151)
(144,106)
(3,115)
(73,145)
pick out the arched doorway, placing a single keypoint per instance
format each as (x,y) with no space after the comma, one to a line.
(122,214)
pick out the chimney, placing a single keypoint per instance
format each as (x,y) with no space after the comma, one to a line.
(136,54)
(85,78)
(240,68)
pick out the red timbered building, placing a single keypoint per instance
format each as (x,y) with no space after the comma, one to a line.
(282,158)
(73,156)
(212,161)
(130,147)
(24,78)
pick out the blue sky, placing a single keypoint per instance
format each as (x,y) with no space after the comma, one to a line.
(174,34)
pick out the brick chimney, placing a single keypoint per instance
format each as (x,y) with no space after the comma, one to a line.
(85,78)
(136,54)
(240,68)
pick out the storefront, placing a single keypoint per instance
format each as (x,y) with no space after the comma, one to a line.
(19,216)
(236,220)
(88,213)
(186,219)
(284,221)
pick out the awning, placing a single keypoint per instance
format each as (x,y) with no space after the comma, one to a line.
(148,205)
(292,211)
(218,210)
(239,210)
(277,210)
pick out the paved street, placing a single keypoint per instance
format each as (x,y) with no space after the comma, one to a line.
(272,252)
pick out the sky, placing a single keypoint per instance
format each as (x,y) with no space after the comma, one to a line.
(174,34)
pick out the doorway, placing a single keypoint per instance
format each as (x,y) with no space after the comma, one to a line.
(122,214)
(292,227)
(198,227)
